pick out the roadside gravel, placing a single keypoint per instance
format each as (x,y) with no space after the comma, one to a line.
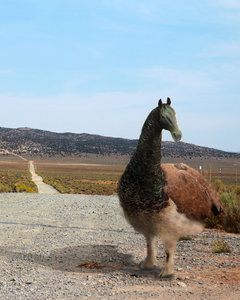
(79,246)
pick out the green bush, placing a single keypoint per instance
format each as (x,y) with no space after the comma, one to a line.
(230,220)
(219,186)
(229,199)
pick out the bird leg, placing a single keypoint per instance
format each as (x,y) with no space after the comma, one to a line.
(168,270)
(150,259)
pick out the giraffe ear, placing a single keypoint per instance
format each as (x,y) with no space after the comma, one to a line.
(168,101)
(160,103)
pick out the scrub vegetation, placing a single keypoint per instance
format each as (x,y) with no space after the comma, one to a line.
(79,178)
(15,177)
(230,220)
(75,178)
(220,246)
(102,180)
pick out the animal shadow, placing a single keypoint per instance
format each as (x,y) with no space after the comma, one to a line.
(86,259)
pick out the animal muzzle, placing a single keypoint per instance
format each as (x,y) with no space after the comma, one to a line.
(176,135)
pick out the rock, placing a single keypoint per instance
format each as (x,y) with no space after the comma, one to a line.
(182,284)
(179,278)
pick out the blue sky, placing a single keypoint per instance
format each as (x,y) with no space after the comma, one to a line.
(100,66)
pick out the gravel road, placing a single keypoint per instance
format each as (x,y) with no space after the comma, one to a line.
(79,246)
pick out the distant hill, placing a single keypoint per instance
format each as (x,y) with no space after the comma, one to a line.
(30,142)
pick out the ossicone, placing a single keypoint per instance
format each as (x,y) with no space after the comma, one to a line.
(168,101)
(160,103)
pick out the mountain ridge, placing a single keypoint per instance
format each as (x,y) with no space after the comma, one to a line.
(42,143)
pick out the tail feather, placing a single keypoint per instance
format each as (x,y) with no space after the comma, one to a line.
(186,226)
(177,224)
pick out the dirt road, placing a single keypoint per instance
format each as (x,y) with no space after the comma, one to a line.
(78,246)
(43,188)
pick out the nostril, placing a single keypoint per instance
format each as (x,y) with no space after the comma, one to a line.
(177,136)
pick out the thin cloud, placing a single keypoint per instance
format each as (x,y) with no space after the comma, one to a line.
(229,12)
(228,49)
(78,81)
(209,79)
(178,76)
(6,71)
(230,4)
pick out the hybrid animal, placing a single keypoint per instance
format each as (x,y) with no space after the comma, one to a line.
(143,194)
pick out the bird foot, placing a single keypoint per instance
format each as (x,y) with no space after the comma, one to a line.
(167,273)
(146,265)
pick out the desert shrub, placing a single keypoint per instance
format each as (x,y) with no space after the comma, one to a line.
(21,188)
(219,186)
(229,199)
(230,220)
(237,190)
(3,188)
(67,184)
(220,246)
(93,180)
(213,222)
(17,180)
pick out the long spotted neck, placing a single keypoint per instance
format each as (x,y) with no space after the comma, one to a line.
(148,151)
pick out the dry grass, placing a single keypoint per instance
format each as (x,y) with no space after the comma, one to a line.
(225,169)
(15,177)
(220,246)
(75,178)
(80,178)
